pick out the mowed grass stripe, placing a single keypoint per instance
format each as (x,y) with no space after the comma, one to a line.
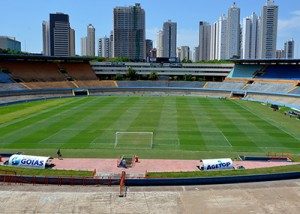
(127,114)
(23,111)
(17,138)
(166,136)
(279,137)
(253,128)
(99,121)
(189,135)
(212,135)
(225,120)
(149,116)
(55,135)
(20,123)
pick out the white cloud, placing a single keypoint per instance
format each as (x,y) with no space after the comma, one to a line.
(291,23)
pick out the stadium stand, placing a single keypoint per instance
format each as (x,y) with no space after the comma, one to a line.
(244,71)
(225,85)
(269,87)
(45,85)
(186,84)
(33,71)
(79,71)
(295,91)
(160,84)
(96,84)
(291,72)
(11,86)
(5,77)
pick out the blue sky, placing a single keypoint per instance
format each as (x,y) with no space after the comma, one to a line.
(23,18)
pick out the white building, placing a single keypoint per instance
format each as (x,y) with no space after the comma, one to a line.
(196,54)
(104,47)
(204,40)
(221,38)
(160,37)
(83,46)
(46,38)
(90,40)
(268,30)
(72,42)
(184,53)
(289,47)
(250,37)
(169,39)
(213,41)
(233,32)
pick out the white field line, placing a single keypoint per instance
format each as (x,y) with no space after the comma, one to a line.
(226,138)
(62,130)
(275,122)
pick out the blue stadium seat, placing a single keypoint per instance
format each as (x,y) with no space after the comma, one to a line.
(282,72)
(5,78)
(244,71)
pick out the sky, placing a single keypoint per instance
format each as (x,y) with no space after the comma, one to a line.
(23,18)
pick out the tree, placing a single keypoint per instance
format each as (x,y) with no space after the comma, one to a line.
(119,77)
(131,74)
(153,76)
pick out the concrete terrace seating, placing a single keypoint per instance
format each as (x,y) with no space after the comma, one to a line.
(159,84)
(47,85)
(79,71)
(295,91)
(33,71)
(11,87)
(269,87)
(186,84)
(96,84)
(142,84)
(232,86)
(275,99)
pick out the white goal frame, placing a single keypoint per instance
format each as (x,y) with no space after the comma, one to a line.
(118,133)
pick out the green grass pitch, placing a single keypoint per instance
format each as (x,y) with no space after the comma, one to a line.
(183,127)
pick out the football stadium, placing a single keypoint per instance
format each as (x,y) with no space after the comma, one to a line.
(71,121)
(50,103)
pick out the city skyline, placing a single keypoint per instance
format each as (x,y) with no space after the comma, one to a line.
(29,33)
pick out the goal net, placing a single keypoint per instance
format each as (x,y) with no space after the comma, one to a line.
(134,140)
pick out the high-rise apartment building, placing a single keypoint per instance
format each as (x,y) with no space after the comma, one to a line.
(268,30)
(83,46)
(204,40)
(250,37)
(213,41)
(129,32)
(104,47)
(90,40)
(169,41)
(221,38)
(46,38)
(72,42)
(233,32)
(59,27)
(184,53)
(159,43)
(289,47)
(149,47)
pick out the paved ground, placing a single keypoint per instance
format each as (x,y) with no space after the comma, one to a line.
(264,197)
(150,165)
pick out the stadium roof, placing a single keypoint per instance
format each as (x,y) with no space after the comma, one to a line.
(267,61)
(9,57)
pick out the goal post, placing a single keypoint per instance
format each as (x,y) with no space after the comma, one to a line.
(134,140)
